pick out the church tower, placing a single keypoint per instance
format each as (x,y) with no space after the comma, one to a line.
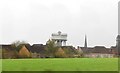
(118,44)
(85,44)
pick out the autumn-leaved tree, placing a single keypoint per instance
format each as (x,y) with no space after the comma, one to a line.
(60,53)
(24,53)
(8,54)
(20,48)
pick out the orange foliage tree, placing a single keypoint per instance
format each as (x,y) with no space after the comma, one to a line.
(60,53)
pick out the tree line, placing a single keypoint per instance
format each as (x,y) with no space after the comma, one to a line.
(51,51)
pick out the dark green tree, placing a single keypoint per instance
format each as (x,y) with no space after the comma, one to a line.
(51,48)
(17,45)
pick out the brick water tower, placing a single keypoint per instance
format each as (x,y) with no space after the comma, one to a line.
(59,38)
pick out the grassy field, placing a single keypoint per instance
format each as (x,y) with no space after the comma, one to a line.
(0,65)
(61,64)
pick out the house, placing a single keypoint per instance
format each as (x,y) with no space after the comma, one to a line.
(97,52)
(37,50)
(101,51)
(114,50)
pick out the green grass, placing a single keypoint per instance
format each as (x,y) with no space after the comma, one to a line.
(0,65)
(61,64)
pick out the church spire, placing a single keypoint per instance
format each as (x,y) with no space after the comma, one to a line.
(85,44)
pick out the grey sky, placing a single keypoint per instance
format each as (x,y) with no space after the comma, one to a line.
(35,20)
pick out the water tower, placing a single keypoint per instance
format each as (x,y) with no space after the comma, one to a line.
(59,38)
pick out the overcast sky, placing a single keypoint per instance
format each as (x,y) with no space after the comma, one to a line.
(35,20)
